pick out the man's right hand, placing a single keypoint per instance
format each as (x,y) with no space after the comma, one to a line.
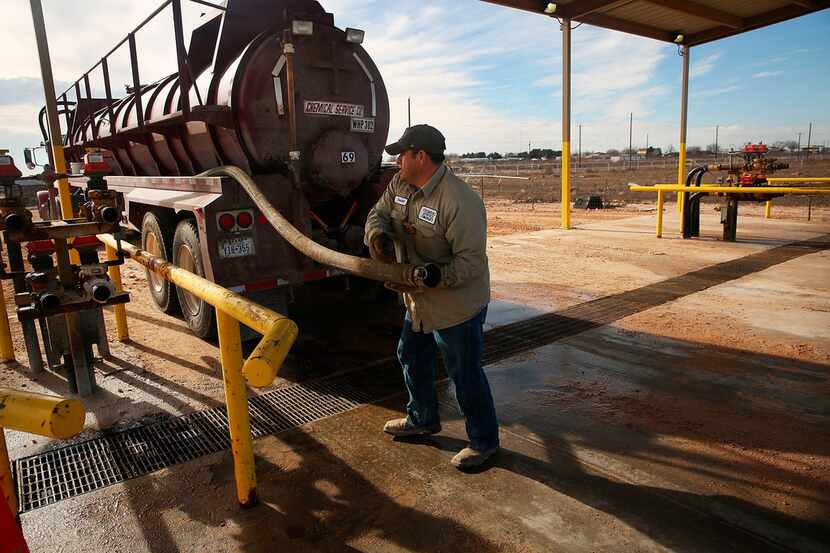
(382,249)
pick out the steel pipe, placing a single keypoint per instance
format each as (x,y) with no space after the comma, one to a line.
(50,416)
(783,180)
(236,401)
(714,189)
(565,171)
(279,331)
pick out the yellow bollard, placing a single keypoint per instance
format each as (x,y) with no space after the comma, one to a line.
(236,400)
(659,214)
(120,310)
(6,345)
(768,210)
(6,480)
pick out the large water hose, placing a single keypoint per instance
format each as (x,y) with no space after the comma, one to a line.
(398,273)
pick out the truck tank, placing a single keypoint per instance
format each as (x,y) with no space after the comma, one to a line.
(240,114)
(270,86)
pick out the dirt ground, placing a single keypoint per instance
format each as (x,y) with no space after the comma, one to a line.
(610,181)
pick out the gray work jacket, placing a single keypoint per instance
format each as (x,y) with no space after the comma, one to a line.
(447,225)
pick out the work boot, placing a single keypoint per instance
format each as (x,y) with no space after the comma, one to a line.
(402,427)
(469,458)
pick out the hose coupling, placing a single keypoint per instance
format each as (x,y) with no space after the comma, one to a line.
(428,275)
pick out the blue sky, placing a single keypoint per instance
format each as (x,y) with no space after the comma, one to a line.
(489,76)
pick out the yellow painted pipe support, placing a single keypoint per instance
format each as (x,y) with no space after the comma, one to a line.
(260,318)
(50,416)
(6,345)
(768,209)
(236,400)
(6,479)
(566,185)
(681,178)
(120,310)
(659,214)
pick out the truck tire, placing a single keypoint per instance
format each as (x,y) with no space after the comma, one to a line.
(199,315)
(157,239)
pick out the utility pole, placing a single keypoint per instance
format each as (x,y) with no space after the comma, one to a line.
(579,158)
(809,139)
(717,128)
(798,150)
(409,112)
(630,140)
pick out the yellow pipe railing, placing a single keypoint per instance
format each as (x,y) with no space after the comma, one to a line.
(120,310)
(261,367)
(50,416)
(661,189)
(718,189)
(6,345)
(659,214)
(785,180)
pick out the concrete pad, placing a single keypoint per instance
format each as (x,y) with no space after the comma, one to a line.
(698,424)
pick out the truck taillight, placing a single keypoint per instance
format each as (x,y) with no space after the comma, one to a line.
(244,219)
(226,222)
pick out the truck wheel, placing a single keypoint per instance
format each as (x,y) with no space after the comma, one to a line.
(157,239)
(199,314)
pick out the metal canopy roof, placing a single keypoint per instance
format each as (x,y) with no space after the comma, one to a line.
(699,21)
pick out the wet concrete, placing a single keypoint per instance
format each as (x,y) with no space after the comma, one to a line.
(697,424)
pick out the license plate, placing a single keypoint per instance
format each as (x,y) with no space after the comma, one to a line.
(348,157)
(236,247)
(363,125)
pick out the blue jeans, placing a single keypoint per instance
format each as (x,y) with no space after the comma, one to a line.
(461,347)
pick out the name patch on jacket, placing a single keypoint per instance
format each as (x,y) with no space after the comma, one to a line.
(400,200)
(428,215)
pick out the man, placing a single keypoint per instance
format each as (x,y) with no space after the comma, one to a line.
(431,216)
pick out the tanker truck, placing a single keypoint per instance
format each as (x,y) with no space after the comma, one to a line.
(270,86)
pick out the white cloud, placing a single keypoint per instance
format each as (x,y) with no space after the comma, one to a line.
(764,74)
(704,65)
(716,91)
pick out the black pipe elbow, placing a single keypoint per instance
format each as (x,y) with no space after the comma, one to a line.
(109,215)
(50,302)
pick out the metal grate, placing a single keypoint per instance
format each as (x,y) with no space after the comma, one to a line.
(49,477)
(83,467)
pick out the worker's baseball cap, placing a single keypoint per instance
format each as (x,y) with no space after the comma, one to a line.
(419,137)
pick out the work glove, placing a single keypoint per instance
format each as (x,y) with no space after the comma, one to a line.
(381,248)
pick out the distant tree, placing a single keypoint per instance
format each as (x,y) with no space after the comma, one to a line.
(494,155)
(695,150)
(613,152)
(712,148)
(790,145)
(474,155)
